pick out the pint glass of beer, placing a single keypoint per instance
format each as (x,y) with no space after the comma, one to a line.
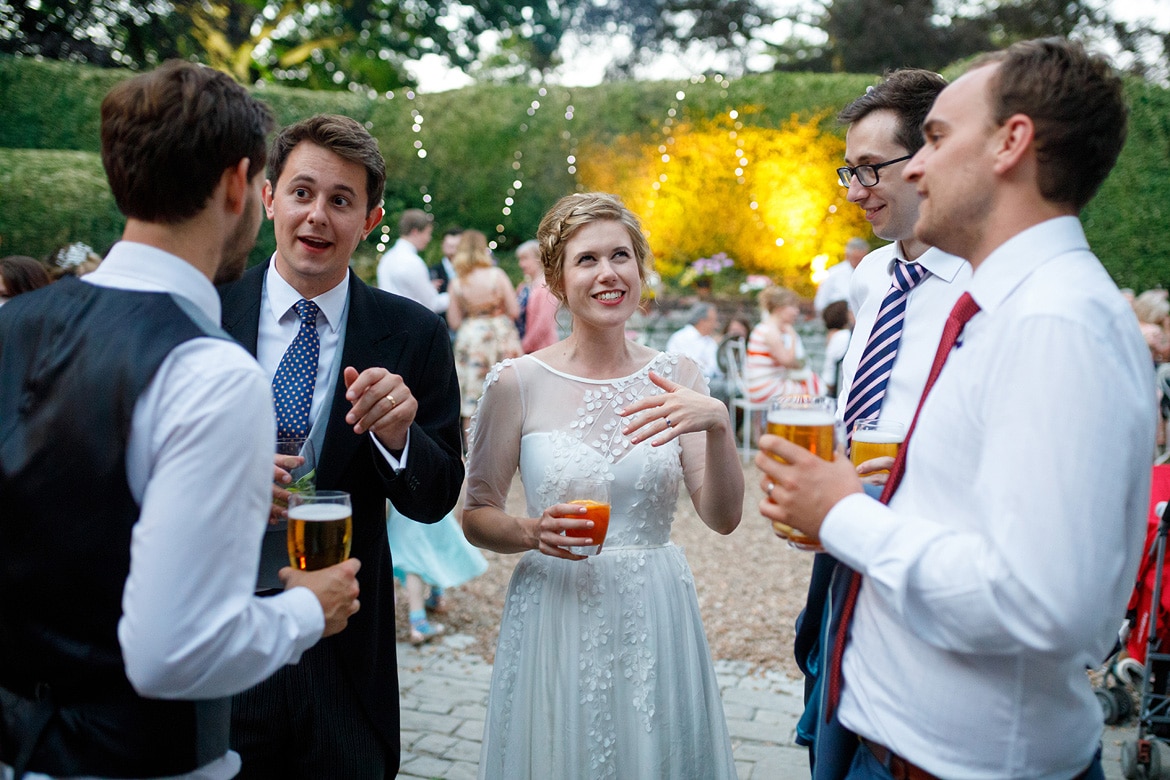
(807,421)
(593,494)
(320,527)
(874,438)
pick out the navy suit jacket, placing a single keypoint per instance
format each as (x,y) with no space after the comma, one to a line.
(391,331)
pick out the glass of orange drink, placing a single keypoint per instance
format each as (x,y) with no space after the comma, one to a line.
(593,494)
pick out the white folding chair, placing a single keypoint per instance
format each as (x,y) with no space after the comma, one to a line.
(735,358)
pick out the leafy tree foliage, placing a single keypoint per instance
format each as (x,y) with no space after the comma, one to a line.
(356,44)
(869,36)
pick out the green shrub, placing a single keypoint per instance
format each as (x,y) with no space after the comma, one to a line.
(472,136)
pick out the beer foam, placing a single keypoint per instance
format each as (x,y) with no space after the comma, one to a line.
(877,437)
(800,417)
(319,512)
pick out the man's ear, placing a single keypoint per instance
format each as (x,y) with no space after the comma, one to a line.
(235,186)
(1013,141)
(372,220)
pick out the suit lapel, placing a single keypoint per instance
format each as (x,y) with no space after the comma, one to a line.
(241,307)
(369,341)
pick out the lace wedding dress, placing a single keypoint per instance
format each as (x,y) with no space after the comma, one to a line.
(602,668)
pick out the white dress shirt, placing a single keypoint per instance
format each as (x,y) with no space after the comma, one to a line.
(279,325)
(1002,566)
(688,341)
(833,287)
(402,271)
(927,308)
(199,463)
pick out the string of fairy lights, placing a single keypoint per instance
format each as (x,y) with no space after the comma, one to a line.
(737,156)
(420,150)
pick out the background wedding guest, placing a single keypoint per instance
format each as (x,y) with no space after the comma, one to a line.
(838,329)
(835,285)
(20,274)
(537,322)
(402,271)
(777,363)
(483,311)
(602,669)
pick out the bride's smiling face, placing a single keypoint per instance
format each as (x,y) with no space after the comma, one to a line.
(601,274)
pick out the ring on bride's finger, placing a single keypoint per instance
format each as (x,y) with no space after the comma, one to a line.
(769,488)
(669,424)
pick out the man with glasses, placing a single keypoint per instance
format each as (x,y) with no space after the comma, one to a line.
(901,294)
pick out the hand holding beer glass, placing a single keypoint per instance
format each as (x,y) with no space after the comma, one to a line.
(875,438)
(593,494)
(809,422)
(320,529)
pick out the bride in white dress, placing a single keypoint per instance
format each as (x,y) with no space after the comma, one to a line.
(602,668)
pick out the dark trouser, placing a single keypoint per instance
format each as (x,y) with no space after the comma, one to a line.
(306,722)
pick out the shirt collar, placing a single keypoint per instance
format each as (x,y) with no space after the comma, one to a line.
(134,266)
(1016,259)
(282,297)
(938,262)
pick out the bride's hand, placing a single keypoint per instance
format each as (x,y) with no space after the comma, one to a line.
(550,528)
(679,410)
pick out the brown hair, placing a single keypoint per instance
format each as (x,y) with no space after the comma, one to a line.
(168,136)
(908,93)
(22,274)
(569,215)
(1077,105)
(340,135)
(412,220)
(472,253)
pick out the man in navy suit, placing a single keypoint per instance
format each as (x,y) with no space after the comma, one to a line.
(384,417)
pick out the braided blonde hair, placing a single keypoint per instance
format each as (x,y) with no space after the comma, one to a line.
(569,215)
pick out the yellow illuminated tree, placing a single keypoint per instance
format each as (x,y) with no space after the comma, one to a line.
(768,197)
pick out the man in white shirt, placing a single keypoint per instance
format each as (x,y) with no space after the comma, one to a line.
(835,285)
(137,466)
(695,339)
(402,270)
(885,129)
(1002,564)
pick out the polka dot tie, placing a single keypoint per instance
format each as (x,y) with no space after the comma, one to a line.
(292,387)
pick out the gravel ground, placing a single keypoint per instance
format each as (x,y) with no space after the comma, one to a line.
(751,586)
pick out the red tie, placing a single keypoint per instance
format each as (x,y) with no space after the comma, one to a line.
(965,309)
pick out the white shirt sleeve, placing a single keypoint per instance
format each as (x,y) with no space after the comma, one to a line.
(200,465)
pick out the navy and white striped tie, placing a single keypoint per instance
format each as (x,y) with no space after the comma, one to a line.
(877,359)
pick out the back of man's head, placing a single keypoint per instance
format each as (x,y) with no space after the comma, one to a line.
(699,312)
(168,136)
(855,250)
(340,135)
(1077,105)
(413,220)
(908,93)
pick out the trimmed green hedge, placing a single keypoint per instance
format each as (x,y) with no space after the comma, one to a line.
(471,137)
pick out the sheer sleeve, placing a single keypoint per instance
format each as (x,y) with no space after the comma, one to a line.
(493,450)
(694,445)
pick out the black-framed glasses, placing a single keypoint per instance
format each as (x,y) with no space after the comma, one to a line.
(867,175)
